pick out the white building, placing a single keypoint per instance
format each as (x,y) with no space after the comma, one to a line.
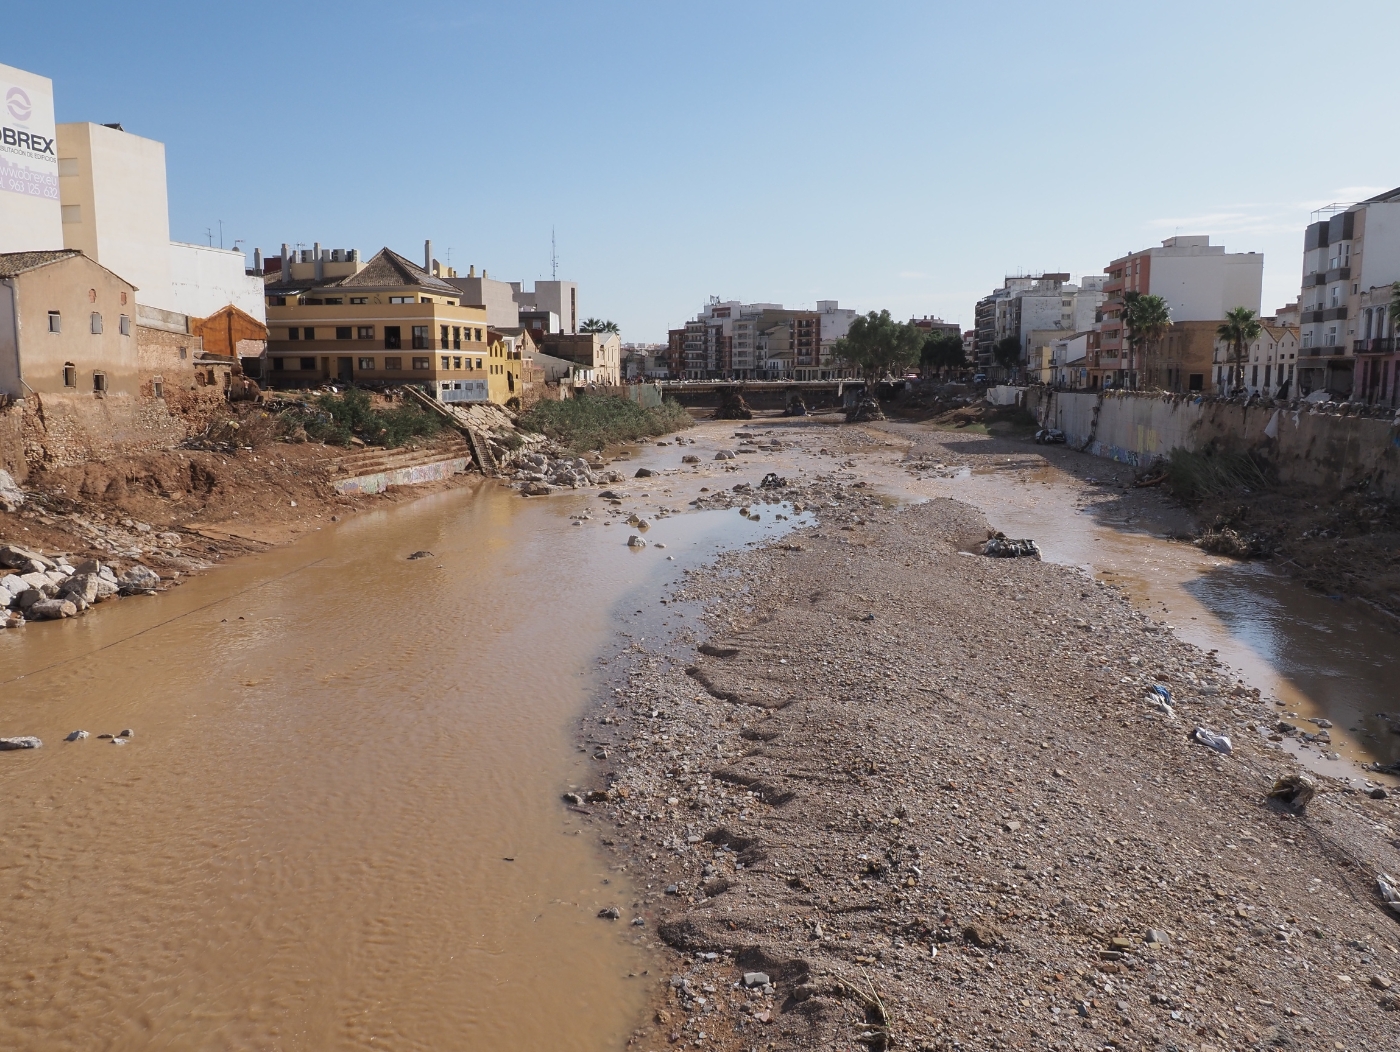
(1269,365)
(1351,257)
(115,209)
(559,298)
(30,215)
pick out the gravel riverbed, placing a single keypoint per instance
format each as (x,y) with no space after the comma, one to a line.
(896,794)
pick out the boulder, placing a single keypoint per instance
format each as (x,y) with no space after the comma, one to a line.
(724,454)
(537,489)
(138,578)
(76,736)
(643,473)
(88,566)
(635,542)
(52,610)
(23,742)
(23,559)
(106,588)
(11,496)
(27,598)
(690,458)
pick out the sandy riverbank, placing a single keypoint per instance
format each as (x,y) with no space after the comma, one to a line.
(922,792)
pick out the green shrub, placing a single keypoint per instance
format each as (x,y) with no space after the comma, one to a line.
(336,418)
(593,422)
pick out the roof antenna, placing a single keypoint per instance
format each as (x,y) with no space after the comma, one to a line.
(553,257)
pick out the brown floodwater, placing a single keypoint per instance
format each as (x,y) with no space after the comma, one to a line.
(338,824)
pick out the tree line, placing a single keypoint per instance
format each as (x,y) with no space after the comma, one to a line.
(877,347)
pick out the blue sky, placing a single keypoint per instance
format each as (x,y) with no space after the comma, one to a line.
(884,154)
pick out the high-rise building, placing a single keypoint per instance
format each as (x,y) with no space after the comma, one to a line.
(1351,260)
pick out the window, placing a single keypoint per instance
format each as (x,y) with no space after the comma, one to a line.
(366,363)
(422,363)
(478,363)
(335,302)
(456,362)
(442,338)
(72,213)
(359,299)
(446,362)
(392,339)
(420,338)
(478,335)
(425,299)
(400,299)
(70,375)
(55,321)
(365,332)
(342,332)
(99,383)
(184,353)
(279,365)
(306,365)
(126,324)
(395,364)
(293,333)
(158,387)
(277,301)
(456,337)
(310,333)
(96,322)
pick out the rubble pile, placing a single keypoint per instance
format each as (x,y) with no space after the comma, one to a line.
(34,587)
(732,405)
(538,473)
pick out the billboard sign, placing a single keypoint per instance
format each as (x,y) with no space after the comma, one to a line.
(28,139)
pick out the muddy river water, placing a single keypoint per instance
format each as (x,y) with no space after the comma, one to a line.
(338,824)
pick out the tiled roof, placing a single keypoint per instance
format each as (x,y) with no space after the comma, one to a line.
(389,269)
(12,263)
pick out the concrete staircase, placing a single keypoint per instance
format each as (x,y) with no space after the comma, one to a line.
(374,469)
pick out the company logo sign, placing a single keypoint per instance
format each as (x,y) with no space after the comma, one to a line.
(17,102)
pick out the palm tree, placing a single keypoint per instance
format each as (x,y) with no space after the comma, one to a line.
(1395,305)
(1147,319)
(598,325)
(1239,330)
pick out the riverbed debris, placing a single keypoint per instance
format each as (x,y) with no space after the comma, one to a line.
(1211,740)
(999,546)
(44,588)
(21,742)
(76,736)
(421,554)
(1296,790)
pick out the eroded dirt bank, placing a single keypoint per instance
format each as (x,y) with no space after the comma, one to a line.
(921,792)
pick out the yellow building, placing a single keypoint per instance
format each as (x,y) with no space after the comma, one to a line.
(387,321)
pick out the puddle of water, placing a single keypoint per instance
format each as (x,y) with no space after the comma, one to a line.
(338,825)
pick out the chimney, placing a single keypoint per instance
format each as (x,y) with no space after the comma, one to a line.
(471,271)
(257,261)
(428,256)
(483,272)
(316,255)
(286,268)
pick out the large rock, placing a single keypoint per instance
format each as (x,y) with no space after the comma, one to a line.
(27,599)
(138,578)
(52,610)
(106,587)
(23,559)
(23,742)
(11,496)
(83,586)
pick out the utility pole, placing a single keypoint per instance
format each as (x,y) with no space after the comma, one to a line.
(221,233)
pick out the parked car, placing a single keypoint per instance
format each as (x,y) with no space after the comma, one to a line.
(980,378)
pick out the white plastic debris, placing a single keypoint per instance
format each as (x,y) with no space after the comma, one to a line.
(1390,890)
(1218,742)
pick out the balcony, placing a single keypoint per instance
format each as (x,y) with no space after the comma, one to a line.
(1376,346)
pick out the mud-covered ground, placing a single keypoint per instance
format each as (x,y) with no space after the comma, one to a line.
(923,793)
(181,510)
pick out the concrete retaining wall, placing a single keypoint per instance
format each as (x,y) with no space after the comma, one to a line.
(414,475)
(1320,449)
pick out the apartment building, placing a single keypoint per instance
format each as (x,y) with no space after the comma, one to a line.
(1200,282)
(387,321)
(732,340)
(1036,310)
(557,298)
(600,353)
(497,297)
(1351,258)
